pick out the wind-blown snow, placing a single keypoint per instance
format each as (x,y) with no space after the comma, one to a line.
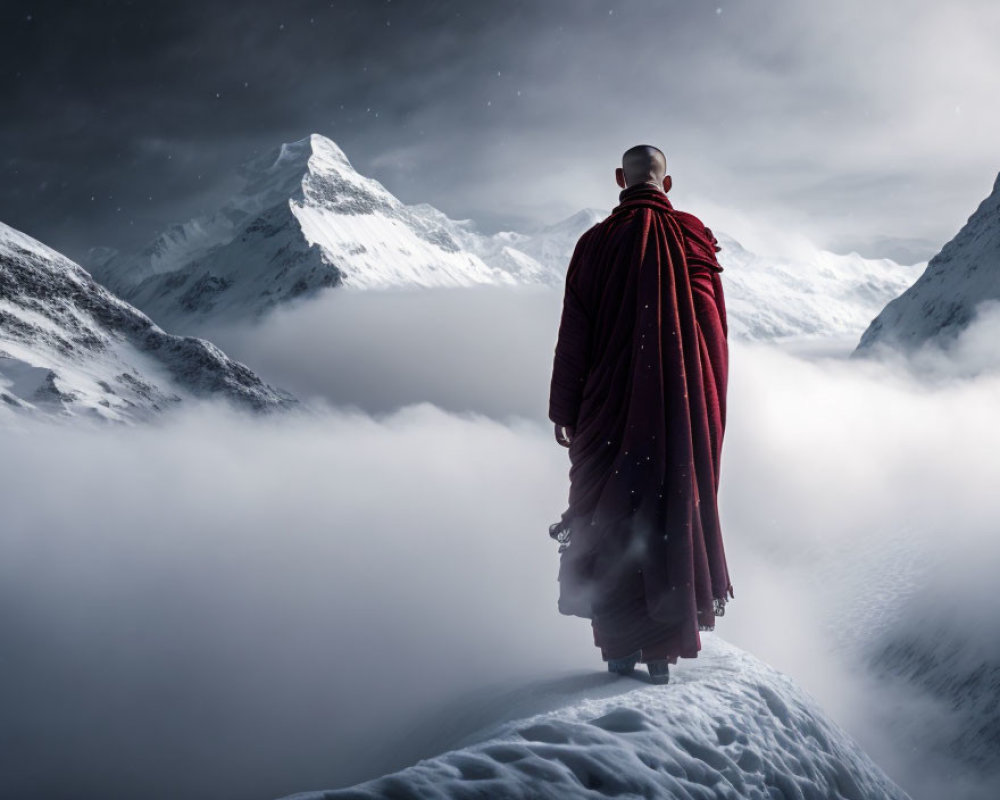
(69,347)
(946,297)
(727,726)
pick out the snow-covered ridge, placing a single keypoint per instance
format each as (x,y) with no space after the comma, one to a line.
(305,220)
(944,299)
(816,293)
(70,347)
(727,725)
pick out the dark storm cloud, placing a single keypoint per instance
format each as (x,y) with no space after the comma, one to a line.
(862,127)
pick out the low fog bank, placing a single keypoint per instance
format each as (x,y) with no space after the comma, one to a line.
(968,352)
(224,605)
(485,349)
(860,503)
(231,606)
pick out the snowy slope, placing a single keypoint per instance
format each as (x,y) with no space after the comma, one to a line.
(816,293)
(552,246)
(70,347)
(303,221)
(943,301)
(726,726)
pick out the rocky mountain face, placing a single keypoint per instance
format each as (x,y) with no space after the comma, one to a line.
(944,299)
(69,347)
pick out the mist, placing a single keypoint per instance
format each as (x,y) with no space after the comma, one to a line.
(226,605)
(486,349)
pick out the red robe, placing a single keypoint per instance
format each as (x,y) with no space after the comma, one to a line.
(640,371)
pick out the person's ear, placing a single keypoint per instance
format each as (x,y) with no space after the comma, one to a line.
(668,183)
(620,177)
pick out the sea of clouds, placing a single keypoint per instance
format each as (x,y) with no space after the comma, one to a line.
(229,605)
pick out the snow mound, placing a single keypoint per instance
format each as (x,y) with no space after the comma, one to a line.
(69,347)
(944,299)
(727,725)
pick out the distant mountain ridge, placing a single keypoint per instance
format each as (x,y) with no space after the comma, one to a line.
(814,294)
(306,220)
(69,347)
(943,300)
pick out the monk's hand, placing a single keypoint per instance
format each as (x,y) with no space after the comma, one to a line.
(565,434)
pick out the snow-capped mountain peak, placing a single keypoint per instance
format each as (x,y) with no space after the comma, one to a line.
(316,170)
(305,220)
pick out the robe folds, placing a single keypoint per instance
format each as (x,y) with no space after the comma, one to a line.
(640,372)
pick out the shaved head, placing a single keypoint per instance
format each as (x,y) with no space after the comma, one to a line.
(644,164)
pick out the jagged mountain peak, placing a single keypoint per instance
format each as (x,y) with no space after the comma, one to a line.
(312,152)
(316,169)
(304,220)
(326,152)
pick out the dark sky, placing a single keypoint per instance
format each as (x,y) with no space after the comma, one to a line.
(857,124)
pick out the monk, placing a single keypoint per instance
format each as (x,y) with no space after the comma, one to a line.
(638,395)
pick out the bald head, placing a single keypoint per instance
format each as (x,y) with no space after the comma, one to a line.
(643,164)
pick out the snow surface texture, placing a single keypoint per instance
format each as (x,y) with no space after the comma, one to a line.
(69,347)
(727,726)
(944,300)
(306,220)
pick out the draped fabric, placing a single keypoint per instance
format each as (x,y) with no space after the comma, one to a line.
(640,371)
